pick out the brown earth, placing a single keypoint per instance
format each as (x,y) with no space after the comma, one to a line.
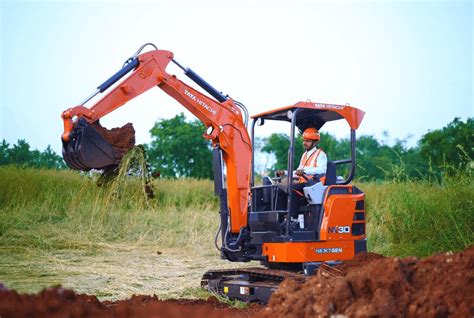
(368,286)
(59,302)
(121,138)
(375,286)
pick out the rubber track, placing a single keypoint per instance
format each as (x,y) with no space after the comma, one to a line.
(255,274)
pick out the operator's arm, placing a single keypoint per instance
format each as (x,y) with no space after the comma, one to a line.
(321,166)
(285,172)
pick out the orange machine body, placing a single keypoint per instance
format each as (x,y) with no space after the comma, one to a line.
(342,218)
(340,229)
(343,224)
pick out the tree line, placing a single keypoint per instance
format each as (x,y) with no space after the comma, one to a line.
(178,150)
(22,155)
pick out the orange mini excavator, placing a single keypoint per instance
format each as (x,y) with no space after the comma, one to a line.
(255,223)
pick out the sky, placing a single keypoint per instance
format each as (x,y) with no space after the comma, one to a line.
(407,64)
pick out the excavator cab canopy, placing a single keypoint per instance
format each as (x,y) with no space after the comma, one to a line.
(315,114)
(303,115)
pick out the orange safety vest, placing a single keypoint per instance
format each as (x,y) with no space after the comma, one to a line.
(310,161)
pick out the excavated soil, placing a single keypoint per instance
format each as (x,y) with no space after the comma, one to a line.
(368,286)
(375,286)
(121,138)
(59,302)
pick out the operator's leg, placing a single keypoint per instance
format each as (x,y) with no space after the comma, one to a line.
(297,198)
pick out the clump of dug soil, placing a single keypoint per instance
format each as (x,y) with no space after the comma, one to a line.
(122,139)
(375,286)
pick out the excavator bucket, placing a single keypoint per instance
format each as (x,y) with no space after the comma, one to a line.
(87,149)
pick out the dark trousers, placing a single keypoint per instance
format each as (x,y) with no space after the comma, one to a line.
(297,199)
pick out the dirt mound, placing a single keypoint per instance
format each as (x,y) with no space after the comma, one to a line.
(60,302)
(359,260)
(121,138)
(371,285)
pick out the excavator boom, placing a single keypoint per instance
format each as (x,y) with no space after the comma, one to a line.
(85,149)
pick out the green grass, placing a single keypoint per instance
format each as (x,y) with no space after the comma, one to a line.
(53,210)
(420,217)
(199,293)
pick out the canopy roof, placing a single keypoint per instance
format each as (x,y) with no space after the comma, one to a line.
(315,114)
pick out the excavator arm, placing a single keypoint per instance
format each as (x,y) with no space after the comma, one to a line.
(84,149)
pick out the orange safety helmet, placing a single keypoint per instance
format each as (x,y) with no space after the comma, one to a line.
(311,133)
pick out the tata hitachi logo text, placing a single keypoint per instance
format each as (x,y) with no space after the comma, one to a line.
(329,106)
(328,250)
(199,102)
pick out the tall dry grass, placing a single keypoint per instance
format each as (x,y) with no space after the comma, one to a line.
(48,209)
(421,217)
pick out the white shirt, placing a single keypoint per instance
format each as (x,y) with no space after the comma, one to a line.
(321,163)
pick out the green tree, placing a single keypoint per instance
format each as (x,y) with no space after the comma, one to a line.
(452,145)
(373,159)
(331,146)
(21,155)
(278,144)
(377,161)
(4,152)
(179,150)
(50,160)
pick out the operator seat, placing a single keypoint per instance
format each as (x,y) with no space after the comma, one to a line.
(330,173)
(267,191)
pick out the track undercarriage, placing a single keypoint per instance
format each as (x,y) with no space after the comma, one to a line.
(247,284)
(256,284)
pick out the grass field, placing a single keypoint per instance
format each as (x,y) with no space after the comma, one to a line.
(420,218)
(60,227)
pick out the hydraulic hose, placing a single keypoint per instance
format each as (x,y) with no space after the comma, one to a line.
(226,247)
(245,111)
(216,238)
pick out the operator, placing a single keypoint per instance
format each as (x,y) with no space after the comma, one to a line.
(313,165)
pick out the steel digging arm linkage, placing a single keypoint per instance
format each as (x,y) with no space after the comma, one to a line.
(223,119)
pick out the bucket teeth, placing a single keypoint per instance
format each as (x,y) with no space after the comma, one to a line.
(87,149)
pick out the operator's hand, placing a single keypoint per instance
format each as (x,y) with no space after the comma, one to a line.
(299,172)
